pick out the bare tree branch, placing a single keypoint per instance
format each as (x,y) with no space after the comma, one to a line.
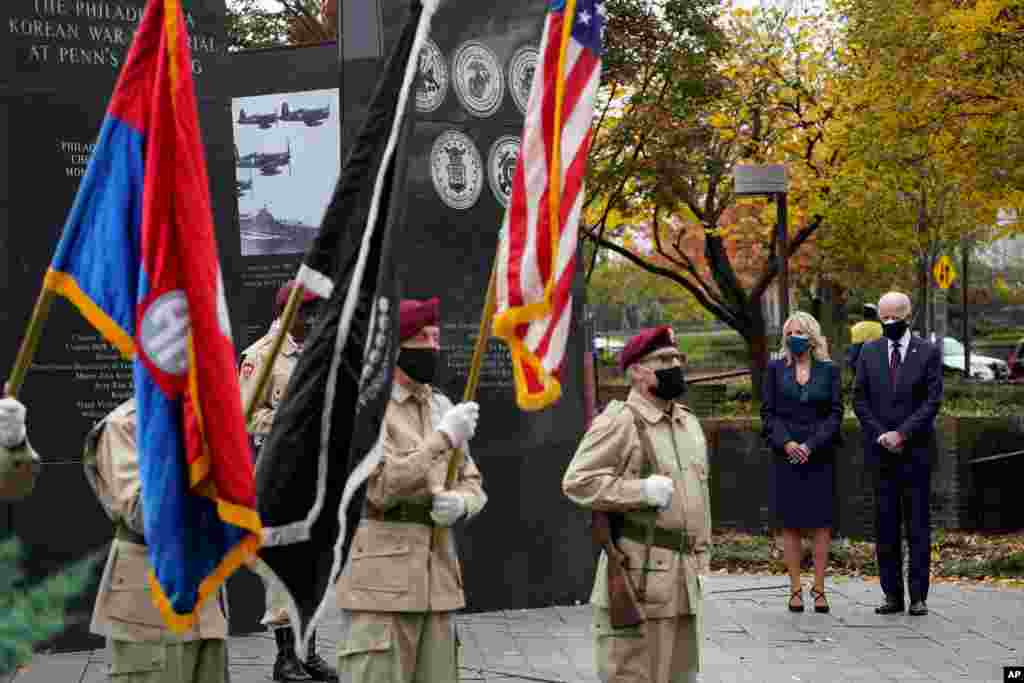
(719,312)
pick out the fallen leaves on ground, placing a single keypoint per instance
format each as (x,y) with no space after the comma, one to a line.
(992,558)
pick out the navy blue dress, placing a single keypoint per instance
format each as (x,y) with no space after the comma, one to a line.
(811,414)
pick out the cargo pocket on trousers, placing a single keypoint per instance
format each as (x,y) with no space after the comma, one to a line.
(365,638)
(620,653)
(134,658)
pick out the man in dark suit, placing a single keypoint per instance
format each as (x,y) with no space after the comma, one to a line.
(896,397)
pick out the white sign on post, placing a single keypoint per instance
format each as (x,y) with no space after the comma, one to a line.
(760,180)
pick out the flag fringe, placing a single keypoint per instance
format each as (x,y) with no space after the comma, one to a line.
(551,388)
(555,177)
(199,470)
(233,560)
(66,285)
(172,9)
(505,324)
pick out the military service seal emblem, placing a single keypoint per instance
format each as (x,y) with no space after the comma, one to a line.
(501,167)
(520,75)
(456,169)
(477,77)
(432,78)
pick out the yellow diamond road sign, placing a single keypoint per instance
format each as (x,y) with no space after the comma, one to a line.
(944,272)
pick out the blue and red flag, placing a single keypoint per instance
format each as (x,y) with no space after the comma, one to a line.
(139,259)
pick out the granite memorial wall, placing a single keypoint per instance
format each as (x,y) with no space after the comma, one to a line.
(272,168)
(58,65)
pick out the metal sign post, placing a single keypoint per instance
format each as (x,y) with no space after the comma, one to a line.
(965,320)
(770,180)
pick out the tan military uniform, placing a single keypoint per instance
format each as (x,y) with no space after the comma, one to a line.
(253,360)
(400,591)
(142,649)
(606,474)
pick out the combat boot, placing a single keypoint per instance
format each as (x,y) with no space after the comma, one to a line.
(288,667)
(316,667)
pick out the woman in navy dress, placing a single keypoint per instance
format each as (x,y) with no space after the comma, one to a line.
(802,411)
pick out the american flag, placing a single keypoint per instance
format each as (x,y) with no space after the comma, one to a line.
(537,250)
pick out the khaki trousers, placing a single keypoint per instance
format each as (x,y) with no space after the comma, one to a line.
(656,651)
(398,647)
(197,661)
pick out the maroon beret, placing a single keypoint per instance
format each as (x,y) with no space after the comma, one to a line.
(414,315)
(646,341)
(286,291)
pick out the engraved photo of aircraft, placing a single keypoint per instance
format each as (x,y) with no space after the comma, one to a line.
(268,163)
(314,116)
(264,121)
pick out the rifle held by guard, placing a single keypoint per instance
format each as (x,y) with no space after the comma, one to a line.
(623,606)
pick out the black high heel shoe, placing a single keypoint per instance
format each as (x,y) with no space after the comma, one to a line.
(820,595)
(798,593)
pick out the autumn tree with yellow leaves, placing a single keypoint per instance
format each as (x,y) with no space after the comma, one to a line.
(929,123)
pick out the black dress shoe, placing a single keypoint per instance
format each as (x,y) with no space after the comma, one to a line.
(918,608)
(889,607)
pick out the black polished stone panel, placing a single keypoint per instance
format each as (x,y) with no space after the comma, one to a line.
(59,60)
(60,523)
(273,74)
(529,534)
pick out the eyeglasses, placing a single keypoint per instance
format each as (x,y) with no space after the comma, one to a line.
(665,360)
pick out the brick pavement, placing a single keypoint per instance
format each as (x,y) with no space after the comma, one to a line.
(971,633)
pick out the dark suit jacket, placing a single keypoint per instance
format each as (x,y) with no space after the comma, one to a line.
(815,422)
(908,408)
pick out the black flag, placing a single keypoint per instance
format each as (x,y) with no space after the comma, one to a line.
(311,472)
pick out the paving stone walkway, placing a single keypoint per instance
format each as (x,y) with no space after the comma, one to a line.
(970,635)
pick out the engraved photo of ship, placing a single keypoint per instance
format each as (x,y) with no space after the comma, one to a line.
(262,234)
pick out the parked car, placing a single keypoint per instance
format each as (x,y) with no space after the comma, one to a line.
(985,368)
(1016,362)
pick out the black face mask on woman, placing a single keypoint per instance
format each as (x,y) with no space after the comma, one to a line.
(419,364)
(671,383)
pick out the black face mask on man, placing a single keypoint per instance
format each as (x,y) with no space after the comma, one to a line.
(419,364)
(894,329)
(671,383)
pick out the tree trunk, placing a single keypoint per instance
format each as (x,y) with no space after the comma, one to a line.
(832,317)
(756,337)
(922,303)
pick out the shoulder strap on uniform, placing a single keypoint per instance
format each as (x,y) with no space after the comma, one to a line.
(649,465)
(92,440)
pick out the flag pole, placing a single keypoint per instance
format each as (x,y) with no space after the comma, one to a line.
(287,318)
(473,381)
(30,343)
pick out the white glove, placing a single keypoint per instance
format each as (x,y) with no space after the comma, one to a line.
(459,423)
(658,491)
(447,508)
(12,422)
